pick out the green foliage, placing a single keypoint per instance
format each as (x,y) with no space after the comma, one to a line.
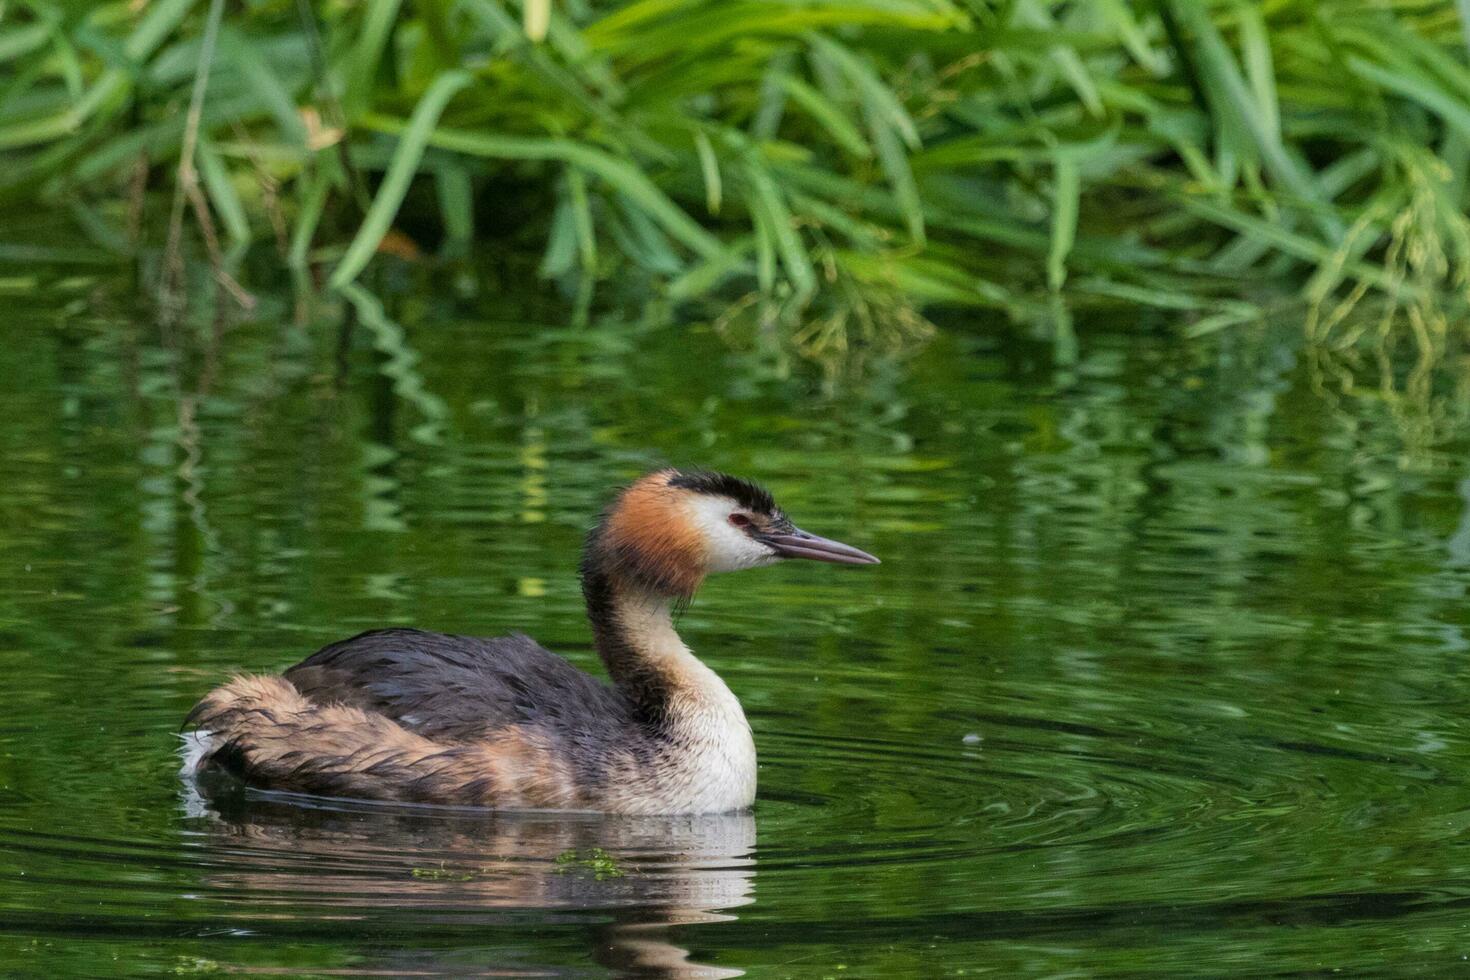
(818,158)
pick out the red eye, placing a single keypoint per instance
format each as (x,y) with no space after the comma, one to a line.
(740,520)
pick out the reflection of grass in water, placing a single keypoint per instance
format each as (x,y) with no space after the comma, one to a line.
(1393,336)
(852,322)
(1425,395)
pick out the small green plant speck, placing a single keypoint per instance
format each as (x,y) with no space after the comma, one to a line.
(595,861)
(441,873)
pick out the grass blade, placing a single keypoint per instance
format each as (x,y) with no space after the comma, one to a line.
(772,105)
(827,115)
(222,194)
(900,177)
(1256,52)
(1416,89)
(561,244)
(456,207)
(709,168)
(22,41)
(400,173)
(776,217)
(367,53)
(401,366)
(582,220)
(1066,193)
(162,19)
(313,203)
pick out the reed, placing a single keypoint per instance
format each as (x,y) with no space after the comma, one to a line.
(836,166)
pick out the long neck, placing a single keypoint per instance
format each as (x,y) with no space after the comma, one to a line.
(634,631)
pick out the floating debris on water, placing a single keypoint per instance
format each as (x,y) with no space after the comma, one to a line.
(441,873)
(601,864)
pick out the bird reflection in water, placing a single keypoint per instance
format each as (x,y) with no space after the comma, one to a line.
(630,879)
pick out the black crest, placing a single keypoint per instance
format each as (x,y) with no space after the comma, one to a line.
(748,495)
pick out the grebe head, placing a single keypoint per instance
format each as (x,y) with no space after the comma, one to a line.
(670,529)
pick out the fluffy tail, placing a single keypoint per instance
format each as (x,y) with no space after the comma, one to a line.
(264,731)
(268,734)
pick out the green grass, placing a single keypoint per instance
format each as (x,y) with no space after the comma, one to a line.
(834,166)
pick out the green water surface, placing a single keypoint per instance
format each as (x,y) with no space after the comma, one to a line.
(1164,671)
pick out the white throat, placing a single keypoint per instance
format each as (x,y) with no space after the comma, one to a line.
(712,754)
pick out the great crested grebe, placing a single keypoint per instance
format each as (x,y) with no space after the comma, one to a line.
(406,715)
